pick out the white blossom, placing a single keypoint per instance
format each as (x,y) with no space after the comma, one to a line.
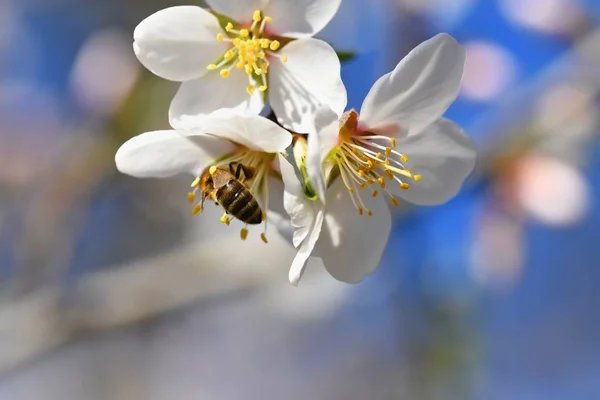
(249,140)
(398,146)
(265,51)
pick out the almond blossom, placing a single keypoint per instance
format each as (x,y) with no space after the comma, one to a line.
(249,140)
(265,50)
(397,147)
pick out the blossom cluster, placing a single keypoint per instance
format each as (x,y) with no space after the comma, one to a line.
(334,170)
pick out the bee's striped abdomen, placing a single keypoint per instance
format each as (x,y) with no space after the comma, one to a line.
(237,200)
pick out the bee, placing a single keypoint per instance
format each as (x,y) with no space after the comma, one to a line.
(226,188)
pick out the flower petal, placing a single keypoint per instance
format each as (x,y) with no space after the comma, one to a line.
(295,202)
(306,249)
(160,154)
(177,43)
(309,80)
(252,131)
(443,155)
(300,18)
(212,93)
(418,91)
(238,10)
(276,214)
(350,245)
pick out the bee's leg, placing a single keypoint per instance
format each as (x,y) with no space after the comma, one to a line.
(233,171)
(248,171)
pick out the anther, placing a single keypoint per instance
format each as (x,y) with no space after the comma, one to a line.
(387,162)
(378,155)
(196,209)
(370,213)
(224,73)
(389,174)
(404,186)
(388,151)
(263,236)
(244,33)
(262,88)
(210,67)
(360,211)
(229,27)
(375,193)
(264,216)
(212,169)
(268,19)
(243,233)
(351,190)
(395,202)
(256,16)
(191,197)
(274,45)
(284,58)
(195,182)
(362,185)
(404,158)
(250,89)
(393,142)
(417,178)
(381,182)
(220,37)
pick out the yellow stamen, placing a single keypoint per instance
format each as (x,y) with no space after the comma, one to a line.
(262,88)
(403,158)
(212,169)
(417,178)
(404,186)
(393,142)
(210,67)
(229,27)
(244,33)
(395,202)
(381,182)
(191,197)
(195,183)
(263,236)
(268,19)
(388,151)
(250,89)
(224,73)
(360,211)
(256,16)
(284,58)
(243,233)
(220,37)
(370,213)
(375,193)
(196,209)
(274,45)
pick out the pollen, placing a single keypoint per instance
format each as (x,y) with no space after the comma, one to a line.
(404,186)
(250,51)
(196,209)
(225,219)
(250,89)
(395,202)
(195,182)
(263,236)
(243,233)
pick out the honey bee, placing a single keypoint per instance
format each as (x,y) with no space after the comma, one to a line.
(226,188)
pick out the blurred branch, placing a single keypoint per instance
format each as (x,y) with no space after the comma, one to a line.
(130,293)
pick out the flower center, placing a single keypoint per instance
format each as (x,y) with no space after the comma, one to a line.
(368,161)
(251,169)
(249,51)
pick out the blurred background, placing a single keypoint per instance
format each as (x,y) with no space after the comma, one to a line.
(110,290)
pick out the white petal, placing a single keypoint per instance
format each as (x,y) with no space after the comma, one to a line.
(165,153)
(276,215)
(197,98)
(177,43)
(306,249)
(309,80)
(350,245)
(314,164)
(300,18)
(443,155)
(252,131)
(295,203)
(238,10)
(418,91)
(320,144)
